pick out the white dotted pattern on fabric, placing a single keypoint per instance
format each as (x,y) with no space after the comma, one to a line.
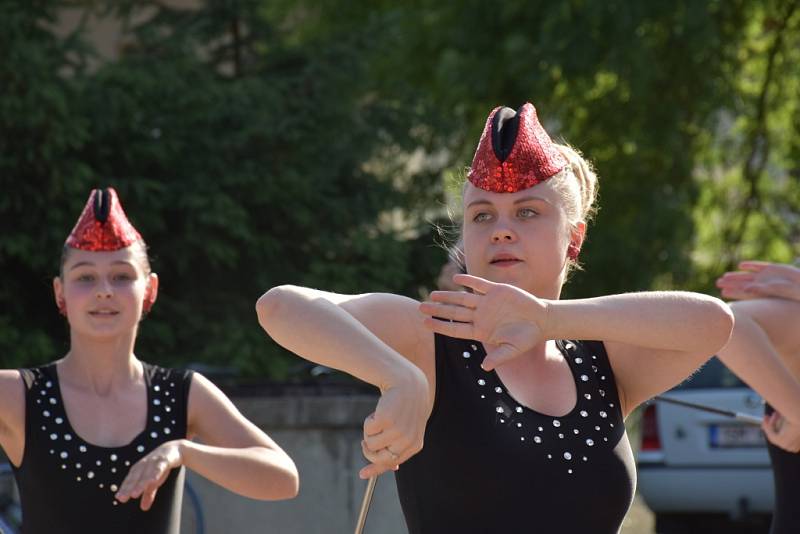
(583,409)
(67,442)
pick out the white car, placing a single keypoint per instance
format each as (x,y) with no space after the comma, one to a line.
(701,471)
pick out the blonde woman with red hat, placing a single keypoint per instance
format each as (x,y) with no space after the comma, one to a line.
(502,407)
(99,439)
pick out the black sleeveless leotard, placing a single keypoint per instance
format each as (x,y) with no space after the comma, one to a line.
(786,479)
(491,465)
(67,485)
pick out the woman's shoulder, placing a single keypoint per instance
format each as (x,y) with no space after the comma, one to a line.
(168,378)
(158,369)
(12,405)
(12,382)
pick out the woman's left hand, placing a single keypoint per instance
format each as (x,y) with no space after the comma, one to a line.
(760,279)
(781,432)
(506,319)
(147,475)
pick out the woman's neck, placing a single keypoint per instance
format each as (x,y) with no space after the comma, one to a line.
(100,365)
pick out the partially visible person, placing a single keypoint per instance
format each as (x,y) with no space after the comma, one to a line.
(98,439)
(764,350)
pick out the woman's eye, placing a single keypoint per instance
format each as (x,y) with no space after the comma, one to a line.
(86,278)
(123,277)
(527,213)
(481,217)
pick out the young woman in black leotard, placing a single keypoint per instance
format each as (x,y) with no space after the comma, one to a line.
(764,350)
(521,414)
(98,439)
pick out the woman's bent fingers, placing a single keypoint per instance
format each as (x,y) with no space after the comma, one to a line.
(459,298)
(734,286)
(376,442)
(380,461)
(737,294)
(473,282)
(148,497)
(735,278)
(448,311)
(753,265)
(373,425)
(459,330)
(131,487)
(774,288)
(143,475)
(373,470)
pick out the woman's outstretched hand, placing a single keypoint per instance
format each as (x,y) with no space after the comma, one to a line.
(394,432)
(761,279)
(149,473)
(506,319)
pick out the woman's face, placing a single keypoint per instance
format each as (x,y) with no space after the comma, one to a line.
(517,238)
(103,293)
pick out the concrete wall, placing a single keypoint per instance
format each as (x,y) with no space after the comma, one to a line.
(323,435)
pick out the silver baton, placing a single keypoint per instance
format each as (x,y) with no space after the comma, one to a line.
(362,514)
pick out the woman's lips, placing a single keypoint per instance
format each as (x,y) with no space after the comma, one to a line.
(508,262)
(103,313)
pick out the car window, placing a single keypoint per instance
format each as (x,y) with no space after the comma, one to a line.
(712,375)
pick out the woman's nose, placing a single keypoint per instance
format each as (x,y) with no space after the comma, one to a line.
(503,235)
(104,289)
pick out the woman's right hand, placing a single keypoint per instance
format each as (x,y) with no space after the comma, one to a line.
(394,432)
(761,279)
(781,432)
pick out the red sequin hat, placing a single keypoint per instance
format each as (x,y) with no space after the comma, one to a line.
(103,226)
(514,152)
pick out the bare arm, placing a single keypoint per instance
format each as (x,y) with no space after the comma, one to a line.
(235,453)
(374,337)
(12,415)
(763,351)
(654,339)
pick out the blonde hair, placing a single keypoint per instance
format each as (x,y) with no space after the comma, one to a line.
(577,187)
(579,205)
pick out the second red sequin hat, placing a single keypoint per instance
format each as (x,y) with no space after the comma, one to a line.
(514,152)
(102,226)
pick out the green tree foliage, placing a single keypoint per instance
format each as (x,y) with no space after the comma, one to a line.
(634,85)
(749,174)
(41,176)
(257,143)
(245,165)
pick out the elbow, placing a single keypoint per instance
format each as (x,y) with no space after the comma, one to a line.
(270,305)
(284,483)
(288,486)
(721,322)
(293,486)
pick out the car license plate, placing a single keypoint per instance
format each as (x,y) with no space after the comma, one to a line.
(732,436)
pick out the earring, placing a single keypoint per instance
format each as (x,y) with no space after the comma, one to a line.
(573,251)
(147,305)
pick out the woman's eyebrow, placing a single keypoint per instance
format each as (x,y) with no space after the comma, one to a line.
(531,199)
(90,264)
(479,201)
(81,264)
